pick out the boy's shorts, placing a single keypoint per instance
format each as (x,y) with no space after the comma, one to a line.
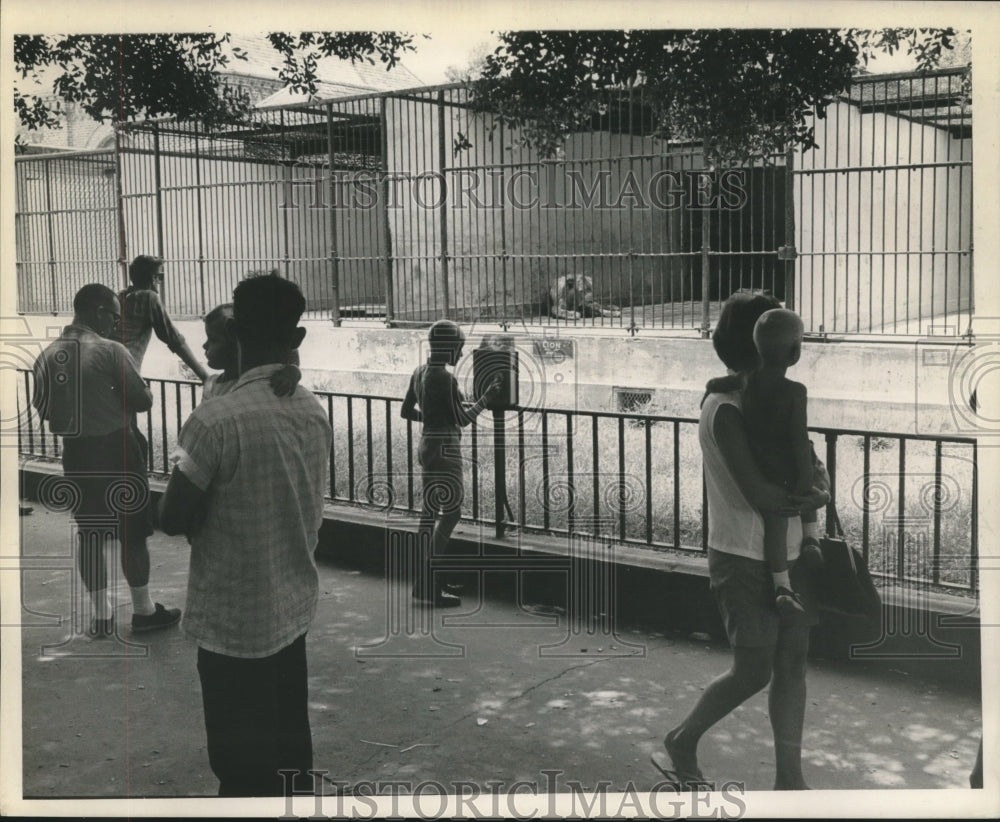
(744,592)
(440,457)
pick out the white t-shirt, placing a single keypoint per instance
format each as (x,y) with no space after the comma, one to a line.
(734,525)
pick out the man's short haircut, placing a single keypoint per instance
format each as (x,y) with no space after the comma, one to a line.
(776,333)
(91,297)
(218,313)
(267,309)
(143,268)
(733,335)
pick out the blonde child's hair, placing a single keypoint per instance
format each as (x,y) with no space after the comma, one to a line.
(777,334)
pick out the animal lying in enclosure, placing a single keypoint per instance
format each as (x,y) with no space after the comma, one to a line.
(572,297)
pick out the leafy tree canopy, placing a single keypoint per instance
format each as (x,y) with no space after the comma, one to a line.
(744,92)
(141,76)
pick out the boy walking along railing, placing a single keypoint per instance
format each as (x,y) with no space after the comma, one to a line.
(908,501)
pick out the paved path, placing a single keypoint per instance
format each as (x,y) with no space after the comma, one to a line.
(521,696)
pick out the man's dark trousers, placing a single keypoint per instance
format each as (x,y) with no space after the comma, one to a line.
(257,720)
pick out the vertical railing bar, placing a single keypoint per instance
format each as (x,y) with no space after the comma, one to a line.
(866,498)
(901,525)
(179,417)
(704,513)
(677,483)
(571,500)
(938,491)
(475,472)
(28,385)
(522,502)
(163,421)
(149,432)
(390,484)
(350,448)
(621,478)
(369,447)
(409,465)
(545,470)
(974,558)
(333,448)
(649,482)
(596,461)
(831,467)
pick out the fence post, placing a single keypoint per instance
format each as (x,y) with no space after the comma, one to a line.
(831,469)
(157,182)
(390,294)
(48,220)
(332,205)
(790,228)
(197,195)
(499,470)
(706,241)
(442,158)
(120,203)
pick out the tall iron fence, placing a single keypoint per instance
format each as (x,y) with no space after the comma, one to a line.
(909,502)
(407,206)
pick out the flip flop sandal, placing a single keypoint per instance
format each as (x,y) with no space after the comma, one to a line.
(680,780)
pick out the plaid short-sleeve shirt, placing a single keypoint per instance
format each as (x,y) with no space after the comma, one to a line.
(262,462)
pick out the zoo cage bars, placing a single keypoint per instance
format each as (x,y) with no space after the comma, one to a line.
(407,206)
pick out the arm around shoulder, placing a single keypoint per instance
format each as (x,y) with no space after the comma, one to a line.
(730,434)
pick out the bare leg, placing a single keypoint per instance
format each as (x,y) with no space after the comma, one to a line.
(425,529)
(453,488)
(787,705)
(750,673)
(775,542)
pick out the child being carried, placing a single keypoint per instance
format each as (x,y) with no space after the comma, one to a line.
(774,412)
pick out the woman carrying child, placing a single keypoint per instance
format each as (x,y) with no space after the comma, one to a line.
(768,646)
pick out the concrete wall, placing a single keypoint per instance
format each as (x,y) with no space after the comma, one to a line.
(903,388)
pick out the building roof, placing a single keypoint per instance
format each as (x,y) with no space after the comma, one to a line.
(337,77)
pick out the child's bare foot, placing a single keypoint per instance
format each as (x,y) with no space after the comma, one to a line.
(788,602)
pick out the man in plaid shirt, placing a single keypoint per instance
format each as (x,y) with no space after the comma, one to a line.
(248,488)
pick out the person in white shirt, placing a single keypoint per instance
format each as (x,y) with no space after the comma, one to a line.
(768,647)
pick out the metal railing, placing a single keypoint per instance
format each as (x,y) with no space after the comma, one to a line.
(908,501)
(408,206)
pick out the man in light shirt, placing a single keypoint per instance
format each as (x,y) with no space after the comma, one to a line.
(248,489)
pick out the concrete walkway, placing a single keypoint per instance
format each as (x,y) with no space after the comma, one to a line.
(491,693)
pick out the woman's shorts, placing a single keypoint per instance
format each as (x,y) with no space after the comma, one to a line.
(744,592)
(108,481)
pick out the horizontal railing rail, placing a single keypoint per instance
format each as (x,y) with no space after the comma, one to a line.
(907,501)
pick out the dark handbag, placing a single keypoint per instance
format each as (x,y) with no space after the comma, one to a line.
(844,584)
